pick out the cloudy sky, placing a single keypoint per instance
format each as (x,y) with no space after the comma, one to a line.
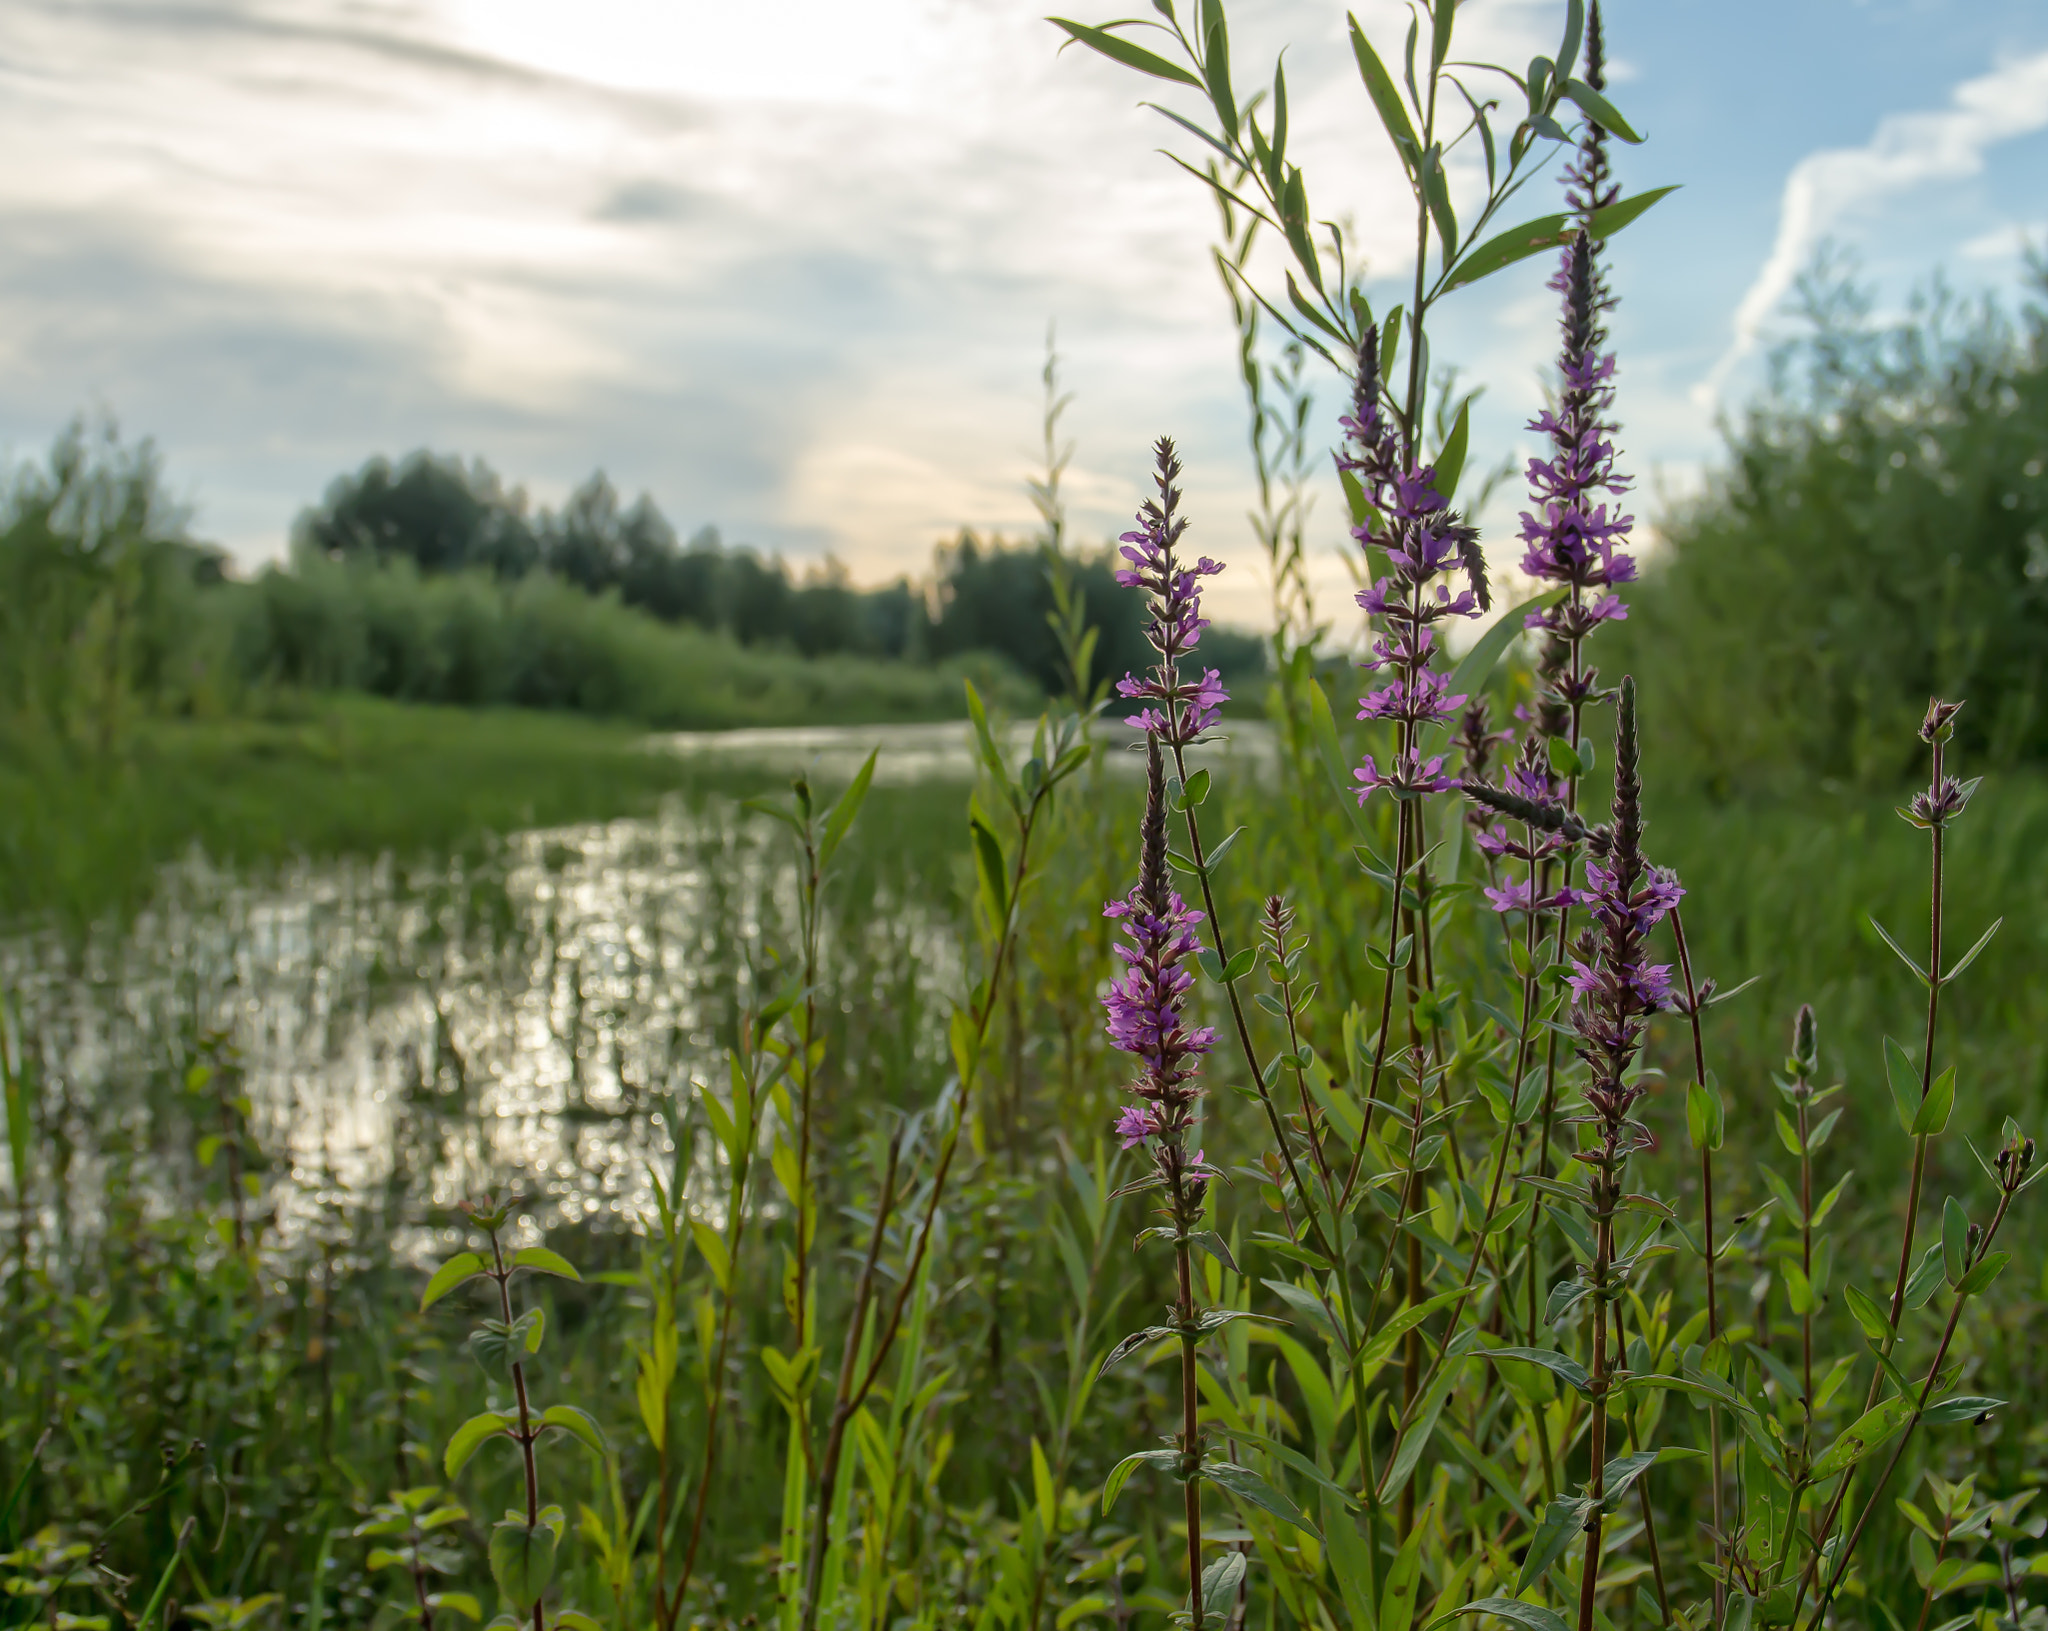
(788,264)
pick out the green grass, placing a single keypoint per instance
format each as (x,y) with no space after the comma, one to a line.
(340,774)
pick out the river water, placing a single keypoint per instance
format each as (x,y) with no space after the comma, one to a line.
(425,1031)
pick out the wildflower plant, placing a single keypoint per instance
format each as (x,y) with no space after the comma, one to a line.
(524,1543)
(1514,1276)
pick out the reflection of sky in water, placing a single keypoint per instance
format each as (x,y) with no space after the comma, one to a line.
(437,1032)
(413,1036)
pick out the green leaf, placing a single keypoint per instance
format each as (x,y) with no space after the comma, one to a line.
(1559,1365)
(1450,463)
(1113,1485)
(1216,69)
(460,1601)
(1241,964)
(1955,1240)
(577,1423)
(1196,791)
(523,1559)
(1899,951)
(1903,1077)
(1248,1485)
(1870,1431)
(1620,1473)
(1705,1116)
(1868,1311)
(542,1261)
(1386,100)
(1351,1562)
(462,1266)
(1381,1344)
(1564,759)
(1529,1616)
(1926,1277)
(1932,1116)
(1219,1583)
(1402,1591)
(1118,49)
(1607,222)
(574,1619)
(1982,1274)
(1601,111)
(463,1443)
(1970,956)
(1505,248)
(988,864)
(842,814)
(1962,1407)
(1215,857)
(1563,1518)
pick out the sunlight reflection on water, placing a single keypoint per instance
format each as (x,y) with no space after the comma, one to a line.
(414,1035)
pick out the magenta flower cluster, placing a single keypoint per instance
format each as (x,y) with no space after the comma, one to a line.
(1574,533)
(1529,777)
(1176,711)
(1423,540)
(1145,1004)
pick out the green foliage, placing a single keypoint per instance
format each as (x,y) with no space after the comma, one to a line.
(1879,534)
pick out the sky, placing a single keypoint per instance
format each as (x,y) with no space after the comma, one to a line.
(789,265)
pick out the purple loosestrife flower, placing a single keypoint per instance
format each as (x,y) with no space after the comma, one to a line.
(1573,533)
(1615,986)
(1423,539)
(1146,1005)
(1177,711)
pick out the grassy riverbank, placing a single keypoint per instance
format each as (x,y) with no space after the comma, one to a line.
(339,774)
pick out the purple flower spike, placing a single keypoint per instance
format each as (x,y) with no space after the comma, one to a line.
(1180,710)
(1575,531)
(1145,1003)
(1422,539)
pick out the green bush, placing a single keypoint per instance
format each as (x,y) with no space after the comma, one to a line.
(537,642)
(1879,535)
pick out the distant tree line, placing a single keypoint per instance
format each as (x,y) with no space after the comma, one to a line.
(446,516)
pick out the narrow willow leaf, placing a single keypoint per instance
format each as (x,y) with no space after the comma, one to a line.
(1601,111)
(1386,98)
(841,816)
(1505,248)
(1119,49)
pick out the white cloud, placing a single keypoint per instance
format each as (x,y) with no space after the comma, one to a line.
(1830,188)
